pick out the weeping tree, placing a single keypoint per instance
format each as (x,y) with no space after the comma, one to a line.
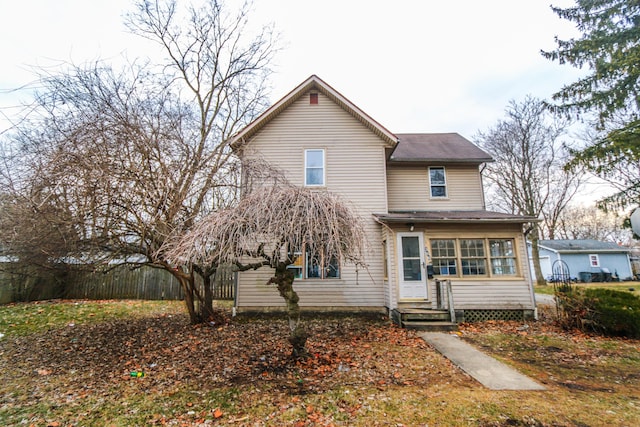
(270,227)
(124,158)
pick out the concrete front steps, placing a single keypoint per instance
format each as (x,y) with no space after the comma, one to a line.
(424,319)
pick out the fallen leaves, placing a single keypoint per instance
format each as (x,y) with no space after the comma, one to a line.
(348,356)
(98,359)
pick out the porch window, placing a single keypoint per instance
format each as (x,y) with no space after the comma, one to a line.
(503,257)
(443,255)
(314,168)
(473,259)
(438,182)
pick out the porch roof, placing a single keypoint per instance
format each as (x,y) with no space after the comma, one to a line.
(452,217)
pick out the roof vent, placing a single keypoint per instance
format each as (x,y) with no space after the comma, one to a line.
(313,98)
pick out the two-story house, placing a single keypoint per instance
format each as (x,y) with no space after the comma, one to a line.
(422,199)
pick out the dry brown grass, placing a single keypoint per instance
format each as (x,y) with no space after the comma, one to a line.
(362,372)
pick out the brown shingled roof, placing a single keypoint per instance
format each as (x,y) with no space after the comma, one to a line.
(437,147)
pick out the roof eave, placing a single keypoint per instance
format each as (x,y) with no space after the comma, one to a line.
(440,160)
(421,220)
(590,251)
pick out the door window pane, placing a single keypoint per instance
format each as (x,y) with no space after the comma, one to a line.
(411,258)
(410,247)
(411,269)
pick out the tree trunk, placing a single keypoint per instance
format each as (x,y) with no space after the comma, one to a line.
(207,311)
(283,279)
(535,254)
(187,282)
(206,308)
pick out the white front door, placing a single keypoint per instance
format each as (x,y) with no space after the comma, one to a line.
(411,267)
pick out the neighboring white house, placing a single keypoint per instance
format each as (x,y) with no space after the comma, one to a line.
(421,197)
(587,260)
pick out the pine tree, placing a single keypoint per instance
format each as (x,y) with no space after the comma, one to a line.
(610,48)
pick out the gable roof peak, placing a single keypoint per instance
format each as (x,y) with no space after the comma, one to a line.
(313,82)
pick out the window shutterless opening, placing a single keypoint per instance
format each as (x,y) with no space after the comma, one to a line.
(314,168)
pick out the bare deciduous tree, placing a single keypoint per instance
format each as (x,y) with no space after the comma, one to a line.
(589,222)
(271,227)
(134,156)
(527,177)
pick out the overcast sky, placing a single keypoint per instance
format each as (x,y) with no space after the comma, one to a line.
(413,65)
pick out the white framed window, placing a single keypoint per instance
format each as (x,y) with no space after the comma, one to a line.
(314,175)
(437,182)
(594,260)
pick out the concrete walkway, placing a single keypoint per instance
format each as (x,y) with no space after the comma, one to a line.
(485,369)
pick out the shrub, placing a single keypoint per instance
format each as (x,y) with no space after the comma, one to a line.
(605,311)
(616,312)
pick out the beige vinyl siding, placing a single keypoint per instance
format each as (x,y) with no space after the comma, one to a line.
(408,188)
(497,292)
(355,169)
(390,293)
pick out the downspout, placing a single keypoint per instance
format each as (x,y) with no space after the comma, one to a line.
(531,290)
(234,309)
(484,203)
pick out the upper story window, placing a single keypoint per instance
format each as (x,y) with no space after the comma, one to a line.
(314,167)
(437,182)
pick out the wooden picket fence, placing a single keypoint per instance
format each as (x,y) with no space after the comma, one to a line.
(118,283)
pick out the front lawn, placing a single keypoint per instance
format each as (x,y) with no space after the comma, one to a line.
(64,368)
(633,287)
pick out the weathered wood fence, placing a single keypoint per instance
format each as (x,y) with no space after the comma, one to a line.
(119,283)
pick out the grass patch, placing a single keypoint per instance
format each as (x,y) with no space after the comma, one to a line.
(362,372)
(616,286)
(28,318)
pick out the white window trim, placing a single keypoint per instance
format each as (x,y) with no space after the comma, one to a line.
(592,258)
(324,167)
(446,190)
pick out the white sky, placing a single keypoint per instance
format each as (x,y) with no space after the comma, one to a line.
(412,65)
